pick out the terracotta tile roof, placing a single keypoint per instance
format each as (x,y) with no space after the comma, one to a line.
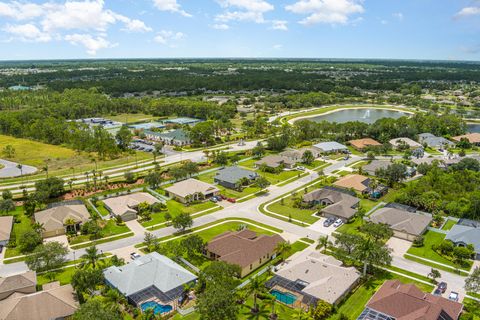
(407,302)
(243,247)
(472,137)
(363,143)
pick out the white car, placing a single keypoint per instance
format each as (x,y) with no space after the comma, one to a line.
(300,168)
(134,255)
(453,296)
(337,223)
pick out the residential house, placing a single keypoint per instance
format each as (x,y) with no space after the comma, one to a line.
(190,190)
(232,177)
(433,141)
(24,283)
(243,248)
(361,184)
(466,232)
(54,302)
(276,161)
(331,147)
(398,142)
(473,138)
(55,220)
(6,223)
(297,155)
(362,144)
(126,206)
(176,137)
(152,277)
(313,276)
(405,224)
(338,203)
(375,165)
(395,300)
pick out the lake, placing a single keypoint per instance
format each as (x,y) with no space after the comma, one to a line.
(363,115)
(473,127)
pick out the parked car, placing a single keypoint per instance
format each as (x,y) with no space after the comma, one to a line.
(232,200)
(437,292)
(338,223)
(1,248)
(301,168)
(327,223)
(453,296)
(134,255)
(442,286)
(222,197)
(213,199)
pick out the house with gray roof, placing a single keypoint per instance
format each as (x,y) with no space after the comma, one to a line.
(465,234)
(176,137)
(231,177)
(55,220)
(152,277)
(338,203)
(330,147)
(23,283)
(275,161)
(433,141)
(405,224)
(6,223)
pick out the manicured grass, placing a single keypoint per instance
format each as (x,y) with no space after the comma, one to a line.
(311,241)
(313,165)
(101,208)
(64,276)
(432,238)
(367,204)
(471,309)
(286,208)
(436,266)
(86,245)
(275,178)
(110,229)
(229,193)
(411,274)
(356,301)
(130,117)
(22,225)
(175,208)
(350,227)
(449,224)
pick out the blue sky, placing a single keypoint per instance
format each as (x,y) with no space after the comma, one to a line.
(399,29)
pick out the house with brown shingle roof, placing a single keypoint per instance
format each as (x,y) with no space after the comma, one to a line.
(473,138)
(243,248)
(6,224)
(395,300)
(54,219)
(275,161)
(57,302)
(338,203)
(126,206)
(360,184)
(191,190)
(23,283)
(362,144)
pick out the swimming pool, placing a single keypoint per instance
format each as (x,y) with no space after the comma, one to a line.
(284,297)
(157,308)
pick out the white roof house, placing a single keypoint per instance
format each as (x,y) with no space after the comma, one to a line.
(136,279)
(191,187)
(331,146)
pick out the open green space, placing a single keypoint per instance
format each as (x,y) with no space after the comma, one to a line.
(100,241)
(174,208)
(21,224)
(351,226)
(432,238)
(110,228)
(286,208)
(471,310)
(436,266)
(131,117)
(449,224)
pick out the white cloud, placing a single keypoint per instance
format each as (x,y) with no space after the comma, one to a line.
(169,38)
(83,22)
(27,32)
(170,5)
(92,44)
(468,12)
(278,47)
(280,25)
(398,15)
(326,11)
(244,10)
(221,26)
(383,21)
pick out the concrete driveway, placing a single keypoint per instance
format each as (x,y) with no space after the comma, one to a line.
(399,246)
(62,239)
(124,253)
(318,227)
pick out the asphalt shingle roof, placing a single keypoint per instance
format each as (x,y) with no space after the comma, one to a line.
(234,174)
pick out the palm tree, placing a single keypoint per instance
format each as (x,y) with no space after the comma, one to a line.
(261,313)
(148,314)
(255,287)
(91,256)
(300,314)
(283,248)
(20,167)
(71,222)
(114,299)
(271,302)
(38,227)
(45,169)
(323,243)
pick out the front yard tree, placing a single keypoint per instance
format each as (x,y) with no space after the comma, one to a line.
(283,248)
(372,253)
(7,205)
(376,231)
(86,280)
(29,240)
(91,257)
(46,257)
(153,179)
(307,157)
(193,244)
(51,187)
(221,158)
(472,283)
(124,137)
(262,182)
(258,151)
(151,242)
(182,221)
(434,274)
(94,309)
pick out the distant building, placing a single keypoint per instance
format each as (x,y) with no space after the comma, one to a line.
(395,300)
(433,141)
(338,203)
(6,223)
(360,184)
(397,142)
(182,121)
(176,137)
(147,125)
(276,161)
(152,277)
(473,138)
(311,277)
(20,88)
(297,155)
(55,218)
(362,144)
(243,248)
(191,189)
(231,177)
(375,165)
(405,225)
(126,206)
(330,147)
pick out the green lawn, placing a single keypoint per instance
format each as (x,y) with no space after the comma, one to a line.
(175,208)
(110,229)
(433,238)
(101,208)
(21,225)
(229,193)
(471,310)
(286,208)
(367,204)
(131,117)
(350,227)
(435,265)
(449,224)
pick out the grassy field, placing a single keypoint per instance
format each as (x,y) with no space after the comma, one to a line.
(433,238)
(175,208)
(110,229)
(286,208)
(60,159)
(131,117)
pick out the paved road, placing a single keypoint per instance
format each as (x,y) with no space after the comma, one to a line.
(10,169)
